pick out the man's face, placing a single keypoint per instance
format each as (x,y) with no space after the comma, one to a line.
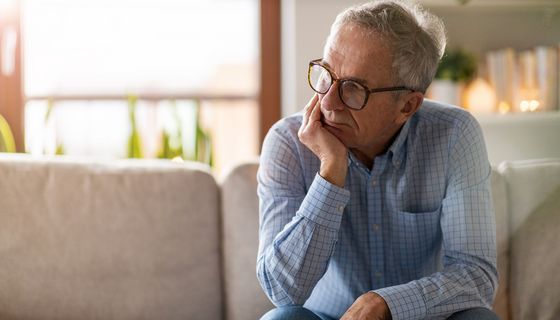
(351,53)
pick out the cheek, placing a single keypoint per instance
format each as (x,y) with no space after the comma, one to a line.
(364,124)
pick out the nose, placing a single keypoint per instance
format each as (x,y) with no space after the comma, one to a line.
(331,101)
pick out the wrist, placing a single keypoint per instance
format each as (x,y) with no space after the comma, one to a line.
(380,301)
(334,171)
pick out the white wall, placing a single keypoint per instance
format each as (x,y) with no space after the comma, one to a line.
(305,27)
(478,27)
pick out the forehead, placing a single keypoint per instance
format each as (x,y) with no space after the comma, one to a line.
(353,51)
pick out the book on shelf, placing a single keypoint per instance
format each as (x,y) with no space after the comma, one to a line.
(502,75)
(526,80)
(547,76)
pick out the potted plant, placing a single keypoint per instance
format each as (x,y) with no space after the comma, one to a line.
(456,68)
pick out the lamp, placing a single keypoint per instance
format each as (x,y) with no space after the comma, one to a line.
(480,96)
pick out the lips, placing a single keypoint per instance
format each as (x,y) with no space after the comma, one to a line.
(333,124)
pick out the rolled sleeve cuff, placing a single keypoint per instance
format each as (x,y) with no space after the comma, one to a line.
(324,203)
(405,301)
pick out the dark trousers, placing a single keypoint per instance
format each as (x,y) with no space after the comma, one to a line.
(301,313)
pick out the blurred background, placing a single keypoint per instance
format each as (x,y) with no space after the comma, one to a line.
(205,79)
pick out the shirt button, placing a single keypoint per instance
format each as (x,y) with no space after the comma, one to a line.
(376,227)
(378,274)
(341,209)
(373,183)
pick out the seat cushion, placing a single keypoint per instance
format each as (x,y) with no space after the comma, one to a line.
(119,240)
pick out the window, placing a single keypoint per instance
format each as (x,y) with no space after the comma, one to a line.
(85,60)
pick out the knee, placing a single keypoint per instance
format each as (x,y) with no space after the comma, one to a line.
(475,314)
(290,313)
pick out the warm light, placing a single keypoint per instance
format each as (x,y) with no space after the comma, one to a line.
(480,96)
(504,107)
(533,105)
(177,159)
(529,98)
(529,105)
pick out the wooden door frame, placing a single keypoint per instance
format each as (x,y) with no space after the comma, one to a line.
(11,86)
(270,62)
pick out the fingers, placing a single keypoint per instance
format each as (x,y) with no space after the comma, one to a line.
(315,112)
(308,109)
(311,102)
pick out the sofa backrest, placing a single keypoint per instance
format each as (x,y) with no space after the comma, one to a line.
(533,195)
(240,222)
(118,240)
(521,136)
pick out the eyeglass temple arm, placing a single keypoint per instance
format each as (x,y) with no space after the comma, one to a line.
(390,89)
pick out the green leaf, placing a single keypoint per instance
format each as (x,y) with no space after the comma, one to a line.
(134,143)
(7,143)
(457,65)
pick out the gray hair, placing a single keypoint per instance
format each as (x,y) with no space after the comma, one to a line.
(416,37)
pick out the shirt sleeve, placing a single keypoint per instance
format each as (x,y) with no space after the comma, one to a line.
(298,228)
(469,277)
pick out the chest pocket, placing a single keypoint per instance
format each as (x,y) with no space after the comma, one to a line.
(415,240)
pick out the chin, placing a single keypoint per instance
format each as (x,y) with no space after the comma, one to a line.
(341,135)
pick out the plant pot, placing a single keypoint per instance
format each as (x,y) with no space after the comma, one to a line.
(446,91)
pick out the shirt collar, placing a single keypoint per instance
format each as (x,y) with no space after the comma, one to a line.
(398,148)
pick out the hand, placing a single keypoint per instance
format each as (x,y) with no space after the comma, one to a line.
(331,152)
(369,306)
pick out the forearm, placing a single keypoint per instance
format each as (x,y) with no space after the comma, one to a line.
(289,269)
(290,265)
(457,287)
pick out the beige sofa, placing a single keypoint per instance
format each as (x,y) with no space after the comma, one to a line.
(160,240)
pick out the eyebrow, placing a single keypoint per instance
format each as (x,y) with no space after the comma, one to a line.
(359,80)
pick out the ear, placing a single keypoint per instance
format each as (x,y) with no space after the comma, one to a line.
(409,105)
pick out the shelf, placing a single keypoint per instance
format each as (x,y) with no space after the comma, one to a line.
(492,3)
(548,116)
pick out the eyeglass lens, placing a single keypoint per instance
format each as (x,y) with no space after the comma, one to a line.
(352,93)
(320,79)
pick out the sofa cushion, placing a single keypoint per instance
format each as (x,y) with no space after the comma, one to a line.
(119,240)
(534,203)
(240,219)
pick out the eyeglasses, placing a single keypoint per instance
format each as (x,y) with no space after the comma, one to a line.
(352,93)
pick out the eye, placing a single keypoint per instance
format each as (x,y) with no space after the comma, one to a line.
(353,94)
(320,79)
(352,87)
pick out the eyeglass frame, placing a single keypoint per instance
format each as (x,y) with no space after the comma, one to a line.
(342,80)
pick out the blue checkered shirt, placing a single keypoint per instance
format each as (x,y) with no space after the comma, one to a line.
(417,228)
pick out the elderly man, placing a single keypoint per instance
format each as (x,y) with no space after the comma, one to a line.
(374,203)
